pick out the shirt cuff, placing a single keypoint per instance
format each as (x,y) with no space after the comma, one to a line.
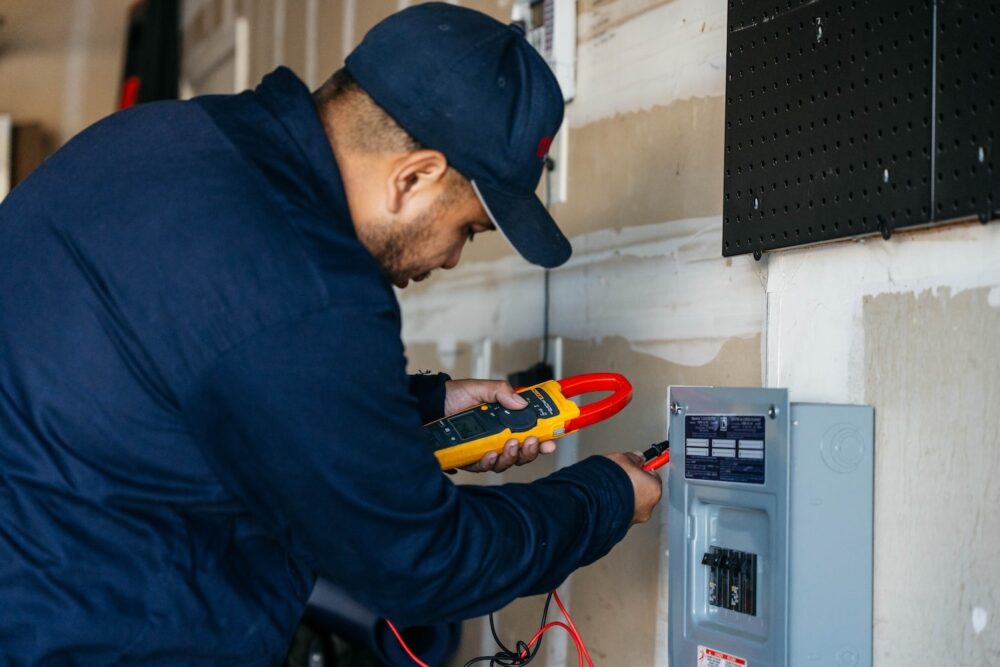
(429,391)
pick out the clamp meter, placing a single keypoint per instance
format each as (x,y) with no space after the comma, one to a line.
(463,438)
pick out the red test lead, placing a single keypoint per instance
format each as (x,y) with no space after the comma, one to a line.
(656,456)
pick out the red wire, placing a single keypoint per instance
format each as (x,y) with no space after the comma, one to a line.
(570,627)
(403,644)
(576,633)
(552,624)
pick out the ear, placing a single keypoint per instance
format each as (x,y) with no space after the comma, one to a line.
(415,176)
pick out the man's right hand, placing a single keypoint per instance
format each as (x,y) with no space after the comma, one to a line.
(647,486)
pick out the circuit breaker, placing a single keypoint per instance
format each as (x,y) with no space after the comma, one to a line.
(770,530)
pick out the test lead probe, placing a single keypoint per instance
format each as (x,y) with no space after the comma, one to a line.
(656,456)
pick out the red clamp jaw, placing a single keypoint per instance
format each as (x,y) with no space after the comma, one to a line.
(601,409)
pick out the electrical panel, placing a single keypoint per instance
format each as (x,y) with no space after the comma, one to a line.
(550,27)
(770,530)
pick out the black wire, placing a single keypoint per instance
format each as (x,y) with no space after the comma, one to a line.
(507,658)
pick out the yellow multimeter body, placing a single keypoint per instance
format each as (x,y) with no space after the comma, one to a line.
(463,438)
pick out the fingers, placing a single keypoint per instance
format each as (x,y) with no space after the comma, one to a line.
(634,457)
(513,454)
(516,454)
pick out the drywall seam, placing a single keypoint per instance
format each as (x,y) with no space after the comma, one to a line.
(815,331)
(663,287)
(672,52)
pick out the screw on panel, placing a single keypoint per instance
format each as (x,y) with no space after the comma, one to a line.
(758,254)
(772,412)
(676,408)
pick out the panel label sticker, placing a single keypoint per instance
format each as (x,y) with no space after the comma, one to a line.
(724,448)
(709,657)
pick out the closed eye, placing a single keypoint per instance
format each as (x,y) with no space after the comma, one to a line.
(478,229)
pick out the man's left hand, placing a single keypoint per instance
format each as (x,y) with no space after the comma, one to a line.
(464,394)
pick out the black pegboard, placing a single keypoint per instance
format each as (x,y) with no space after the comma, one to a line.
(967,168)
(837,124)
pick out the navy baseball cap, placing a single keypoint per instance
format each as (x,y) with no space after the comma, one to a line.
(473,88)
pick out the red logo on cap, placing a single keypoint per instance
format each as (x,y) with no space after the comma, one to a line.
(543,147)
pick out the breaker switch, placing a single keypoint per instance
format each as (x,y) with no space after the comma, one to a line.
(732,579)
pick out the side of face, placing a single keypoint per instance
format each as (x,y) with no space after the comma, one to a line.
(412,213)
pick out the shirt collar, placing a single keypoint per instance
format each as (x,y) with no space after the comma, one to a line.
(288,99)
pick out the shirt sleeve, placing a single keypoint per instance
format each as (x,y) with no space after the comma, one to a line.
(429,390)
(312,426)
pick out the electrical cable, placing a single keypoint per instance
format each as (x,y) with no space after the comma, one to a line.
(524,652)
(402,643)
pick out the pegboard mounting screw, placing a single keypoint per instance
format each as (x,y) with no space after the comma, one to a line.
(819,30)
(982,155)
(756,203)
(885,176)
(884,227)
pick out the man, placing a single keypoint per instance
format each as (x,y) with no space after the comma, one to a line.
(203,399)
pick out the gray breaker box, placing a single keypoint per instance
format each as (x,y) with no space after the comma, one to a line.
(770,530)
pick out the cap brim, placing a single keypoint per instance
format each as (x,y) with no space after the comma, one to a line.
(527,225)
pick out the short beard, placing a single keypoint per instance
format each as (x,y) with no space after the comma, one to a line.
(392,245)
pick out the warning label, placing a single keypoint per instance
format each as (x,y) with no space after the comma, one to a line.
(709,657)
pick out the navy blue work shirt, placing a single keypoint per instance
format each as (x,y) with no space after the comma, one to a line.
(204,405)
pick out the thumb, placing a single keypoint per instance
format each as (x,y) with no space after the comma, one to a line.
(510,399)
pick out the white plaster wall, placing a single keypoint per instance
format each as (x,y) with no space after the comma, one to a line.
(637,54)
(664,287)
(815,334)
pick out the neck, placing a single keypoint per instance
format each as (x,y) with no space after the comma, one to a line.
(352,165)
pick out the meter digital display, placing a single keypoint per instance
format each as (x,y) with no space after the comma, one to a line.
(467,426)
